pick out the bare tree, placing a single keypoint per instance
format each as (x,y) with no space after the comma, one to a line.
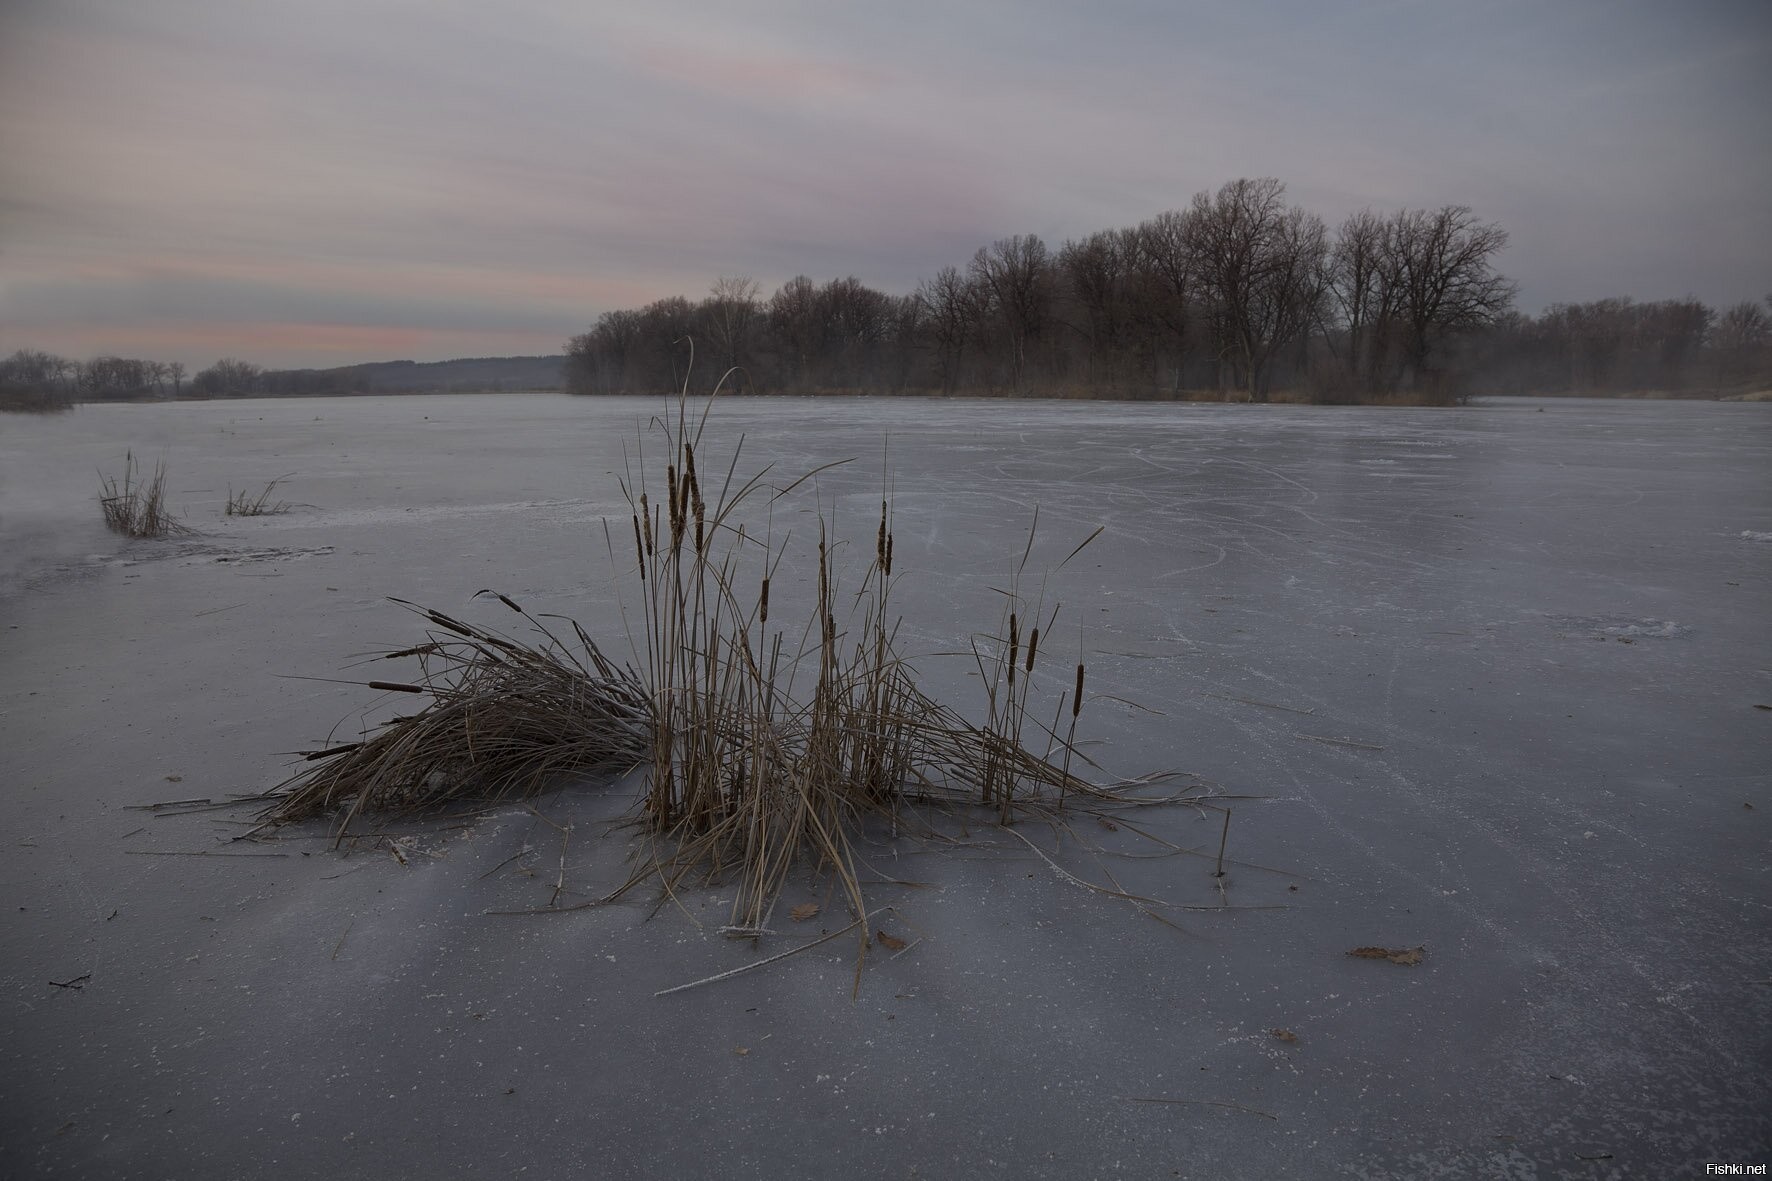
(793,324)
(1098,272)
(1443,266)
(1017,272)
(1741,338)
(228,377)
(1745,325)
(1164,281)
(1362,288)
(907,321)
(1260,265)
(111,377)
(602,360)
(731,309)
(33,381)
(954,307)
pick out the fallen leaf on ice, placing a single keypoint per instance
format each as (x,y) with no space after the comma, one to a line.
(741,1051)
(803,911)
(890,942)
(1408,957)
(1285,1035)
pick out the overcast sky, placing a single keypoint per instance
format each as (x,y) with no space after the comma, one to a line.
(317,182)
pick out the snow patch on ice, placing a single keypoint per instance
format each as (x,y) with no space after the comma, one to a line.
(1619,627)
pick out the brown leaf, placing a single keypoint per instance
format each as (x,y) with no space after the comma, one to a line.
(741,1051)
(890,942)
(803,911)
(181,778)
(1285,1035)
(1407,956)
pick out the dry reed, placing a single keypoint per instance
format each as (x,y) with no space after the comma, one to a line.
(501,719)
(244,504)
(136,507)
(765,747)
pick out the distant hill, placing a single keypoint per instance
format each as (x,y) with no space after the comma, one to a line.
(467,373)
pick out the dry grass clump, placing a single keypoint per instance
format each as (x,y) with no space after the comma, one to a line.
(765,746)
(501,719)
(244,504)
(768,750)
(136,507)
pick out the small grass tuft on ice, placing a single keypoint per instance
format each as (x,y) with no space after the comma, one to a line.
(135,506)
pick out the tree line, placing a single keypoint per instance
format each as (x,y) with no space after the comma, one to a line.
(1239,293)
(35,380)
(1618,346)
(32,380)
(40,381)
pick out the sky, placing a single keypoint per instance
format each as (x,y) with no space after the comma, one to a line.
(321,182)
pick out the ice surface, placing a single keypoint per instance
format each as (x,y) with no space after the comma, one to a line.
(1499,702)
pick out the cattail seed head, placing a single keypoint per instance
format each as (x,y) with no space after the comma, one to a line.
(1077,697)
(639,547)
(1033,645)
(675,504)
(763,604)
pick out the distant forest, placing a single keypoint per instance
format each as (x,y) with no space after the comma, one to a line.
(1240,295)
(31,380)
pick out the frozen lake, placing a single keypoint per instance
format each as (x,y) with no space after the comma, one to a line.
(1499,677)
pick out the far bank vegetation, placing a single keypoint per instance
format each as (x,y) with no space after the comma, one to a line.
(1239,296)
